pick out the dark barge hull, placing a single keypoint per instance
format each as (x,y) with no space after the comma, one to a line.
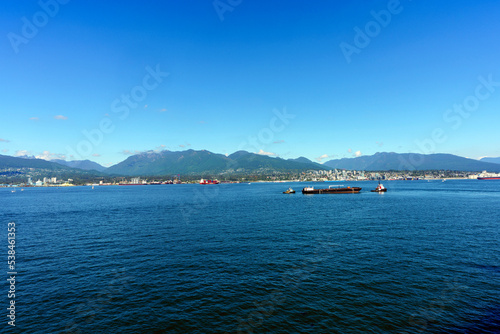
(352,190)
(379,191)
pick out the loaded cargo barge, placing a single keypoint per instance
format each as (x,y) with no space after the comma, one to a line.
(332,190)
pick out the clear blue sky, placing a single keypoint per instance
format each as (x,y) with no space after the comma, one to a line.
(230,69)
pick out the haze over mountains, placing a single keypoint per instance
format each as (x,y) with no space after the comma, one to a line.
(153,163)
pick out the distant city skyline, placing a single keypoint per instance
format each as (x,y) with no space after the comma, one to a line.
(101,81)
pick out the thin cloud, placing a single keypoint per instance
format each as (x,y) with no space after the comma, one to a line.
(162,110)
(323,157)
(269,154)
(47,155)
(358,154)
(4,140)
(96,155)
(128,152)
(34,119)
(349,150)
(21,153)
(379,143)
(61,117)
(5,150)
(281,141)
(160,148)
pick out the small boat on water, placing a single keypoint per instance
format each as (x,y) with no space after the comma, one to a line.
(332,190)
(380,189)
(289,191)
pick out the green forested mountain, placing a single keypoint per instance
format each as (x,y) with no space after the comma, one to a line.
(204,162)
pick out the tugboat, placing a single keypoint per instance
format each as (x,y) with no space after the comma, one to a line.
(332,190)
(380,189)
(289,191)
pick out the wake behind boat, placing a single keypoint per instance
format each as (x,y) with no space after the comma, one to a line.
(332,190)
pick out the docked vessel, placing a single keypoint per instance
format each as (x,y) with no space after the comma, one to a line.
(202,181)
(332,190)
(136,181)
(488,176)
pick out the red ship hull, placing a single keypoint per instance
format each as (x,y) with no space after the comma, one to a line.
(209,182)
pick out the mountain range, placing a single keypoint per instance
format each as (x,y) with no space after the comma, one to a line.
(205,162)
(412,161)
(164,163)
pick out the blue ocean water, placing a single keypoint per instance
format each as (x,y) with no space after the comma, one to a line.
(245,258)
